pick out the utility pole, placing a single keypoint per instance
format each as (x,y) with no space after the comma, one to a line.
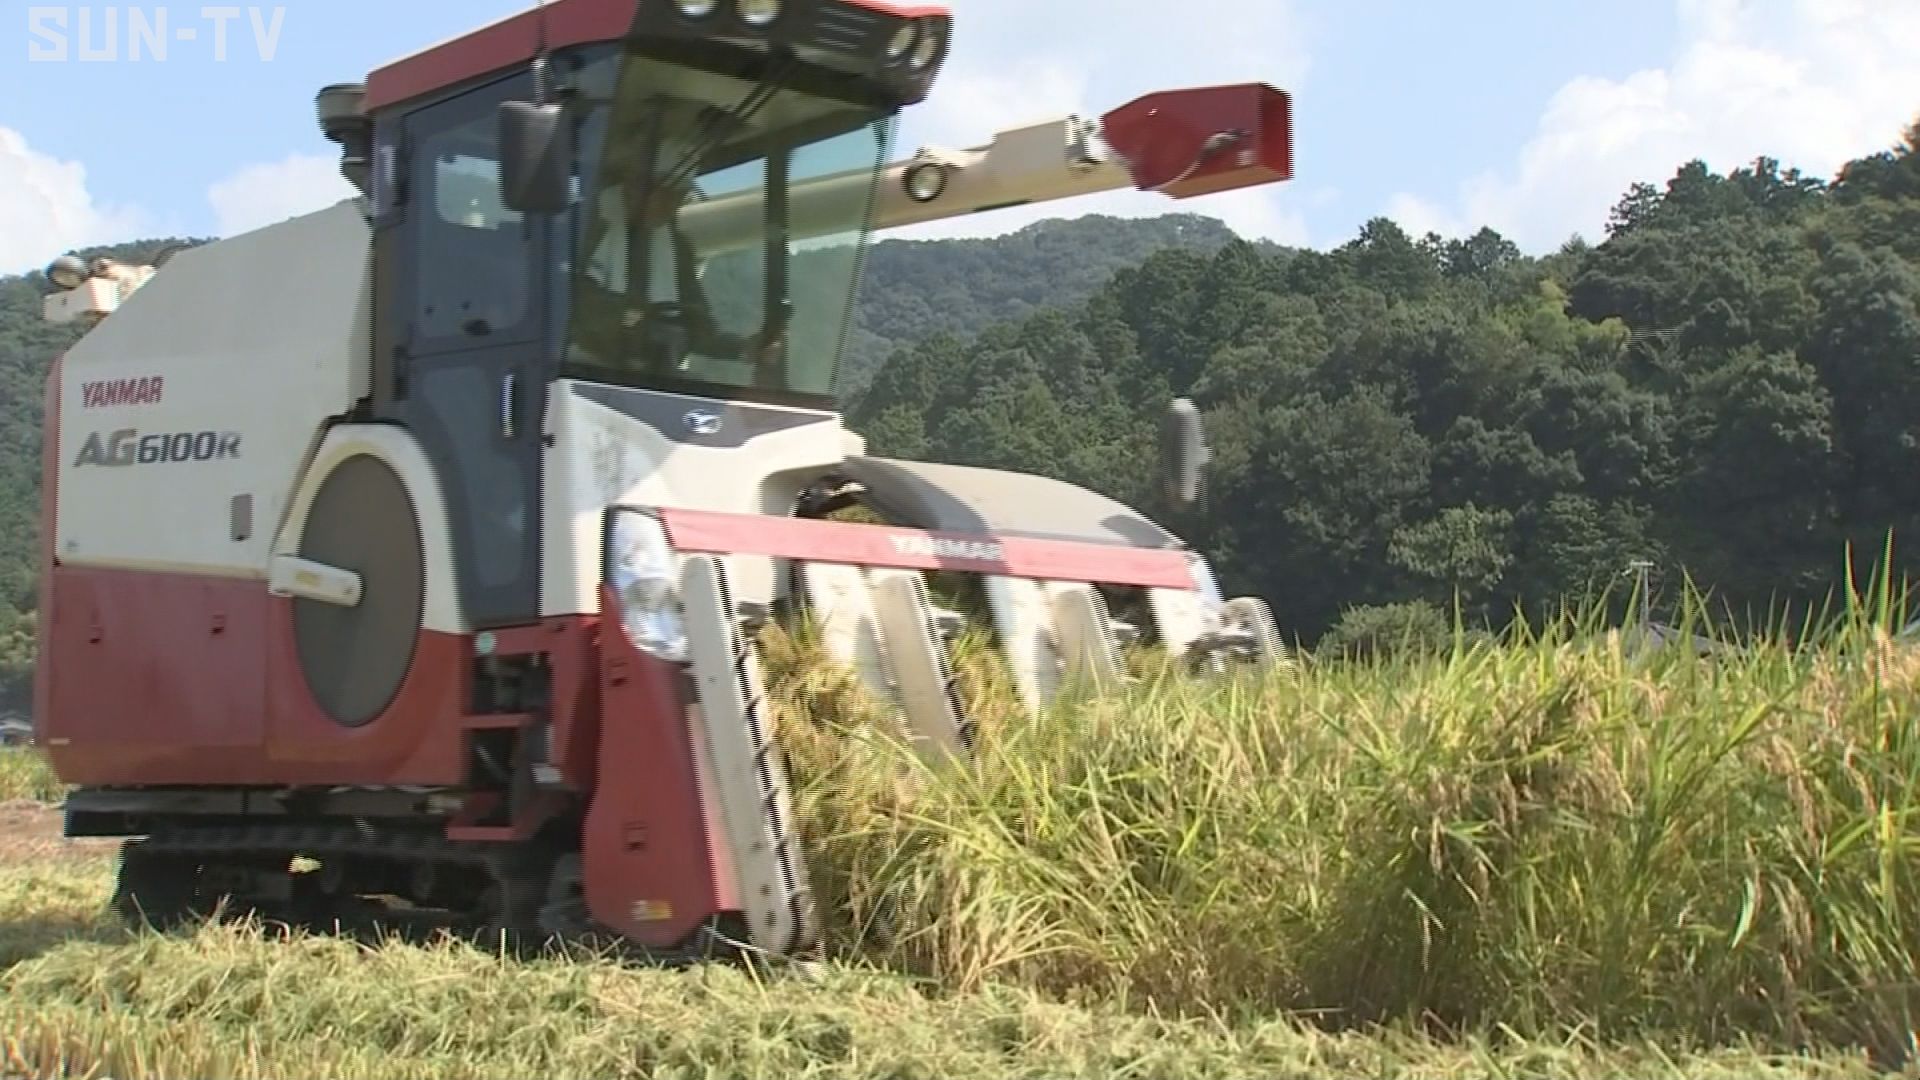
(1639,568)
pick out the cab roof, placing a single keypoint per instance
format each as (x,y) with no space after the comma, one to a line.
(511,43)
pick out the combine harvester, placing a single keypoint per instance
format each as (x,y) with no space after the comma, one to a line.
(409,556)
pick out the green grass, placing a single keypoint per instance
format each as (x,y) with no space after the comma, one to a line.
(1538,858)
(25,775)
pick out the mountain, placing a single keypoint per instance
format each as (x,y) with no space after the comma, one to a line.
(915,289)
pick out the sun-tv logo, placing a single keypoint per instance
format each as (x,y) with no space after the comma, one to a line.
(105,34)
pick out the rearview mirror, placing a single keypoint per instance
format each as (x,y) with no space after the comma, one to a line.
(536,158)
(1183,451)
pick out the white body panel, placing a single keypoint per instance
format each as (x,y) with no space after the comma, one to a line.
(1024,620)
(922,669)
(239,349)
(95,298)
(749,778)
(599,455)
(849,627)
(1085,631)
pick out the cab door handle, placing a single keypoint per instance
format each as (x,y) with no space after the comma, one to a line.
(509,384)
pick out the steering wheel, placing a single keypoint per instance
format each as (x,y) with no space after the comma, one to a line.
(656,311)
(660,331)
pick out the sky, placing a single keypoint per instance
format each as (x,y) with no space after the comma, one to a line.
(1527,116)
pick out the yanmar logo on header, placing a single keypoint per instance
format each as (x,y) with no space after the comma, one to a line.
(941,547)
(110,393)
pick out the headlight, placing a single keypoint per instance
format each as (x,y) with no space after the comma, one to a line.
(68,272)
(926,181)
(902,41)
(641,570)
(929,44)
(759,12)
(697,9)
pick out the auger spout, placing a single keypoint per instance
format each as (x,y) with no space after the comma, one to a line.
(1180,143)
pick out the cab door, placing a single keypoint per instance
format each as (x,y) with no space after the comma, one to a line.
(469,372)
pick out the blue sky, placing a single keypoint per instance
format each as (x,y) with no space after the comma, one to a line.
(1531,117)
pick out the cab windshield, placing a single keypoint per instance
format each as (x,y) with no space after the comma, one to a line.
(694,269)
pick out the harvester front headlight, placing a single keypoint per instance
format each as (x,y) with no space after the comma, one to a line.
(901,43)
(642,572)
(68,272)
(929,44)
(759,12)
(925,181)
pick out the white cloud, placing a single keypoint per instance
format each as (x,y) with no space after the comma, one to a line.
(271,192)
(46,210)
(1002,73)
(968,104)
(1813,83)
(1420,217)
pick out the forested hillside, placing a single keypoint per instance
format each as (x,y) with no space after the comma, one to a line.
(914,289)
(1727,386)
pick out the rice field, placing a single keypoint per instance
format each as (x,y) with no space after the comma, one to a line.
(1552,857)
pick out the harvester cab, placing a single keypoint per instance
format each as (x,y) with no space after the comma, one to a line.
(466,613)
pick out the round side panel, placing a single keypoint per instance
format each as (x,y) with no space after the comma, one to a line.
(356,658)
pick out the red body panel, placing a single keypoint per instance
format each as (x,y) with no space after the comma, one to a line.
(182,680)
(506,44)
(571,643)
(511,43)
(155,678)
(904,11)
(1163,135)
(653,852)
(178,679)
(918,549)
(416,741)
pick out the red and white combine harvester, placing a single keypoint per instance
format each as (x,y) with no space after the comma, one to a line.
(411,554)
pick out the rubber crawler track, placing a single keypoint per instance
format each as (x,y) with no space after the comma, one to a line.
(529,896)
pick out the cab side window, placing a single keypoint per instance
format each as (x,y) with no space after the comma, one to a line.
(471,282)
